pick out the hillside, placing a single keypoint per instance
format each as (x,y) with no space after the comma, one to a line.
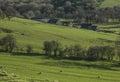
(35,33)
(78,10)
(21,67)
(110,3)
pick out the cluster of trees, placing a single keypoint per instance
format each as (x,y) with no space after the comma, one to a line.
(9,44)
(80,10)
(54,48)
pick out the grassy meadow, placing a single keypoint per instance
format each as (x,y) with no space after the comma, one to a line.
(110,3)
(44,69)
(35,33)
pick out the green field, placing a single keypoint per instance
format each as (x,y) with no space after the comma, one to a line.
(27,69)
(110,3)
(35,33)
(44,69)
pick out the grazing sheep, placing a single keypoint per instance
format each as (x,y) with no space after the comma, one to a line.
(55,81)
(22,34)
(61,71)
(14,75)
(4,73)
(99,77)
(47,80)
(1,67)
(40,73)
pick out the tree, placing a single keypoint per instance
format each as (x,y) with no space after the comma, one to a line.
(74,51)
(48,47)
(93,53)
(2,14)
(52,47)
(56,47)
(78,51)
(101,52)
(117,47)
(29,14)
(29,49)
(8,43)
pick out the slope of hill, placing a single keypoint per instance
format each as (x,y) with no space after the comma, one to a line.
(23,68)
(43,69)
(110,3)
(35,33)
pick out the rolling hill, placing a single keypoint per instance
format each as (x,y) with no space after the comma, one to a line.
(24,68)
(35,33)
(110,3)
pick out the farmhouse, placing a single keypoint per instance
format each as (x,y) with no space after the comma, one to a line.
(53,21)
(88,26)
(41,19)
(66,23)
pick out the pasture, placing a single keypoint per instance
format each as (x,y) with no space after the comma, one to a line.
(21,67)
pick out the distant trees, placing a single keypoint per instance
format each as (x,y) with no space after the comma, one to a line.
(117,47)
(79,10)
(55,48)
(52,47)
(101,52)
(8,43)
(74,51)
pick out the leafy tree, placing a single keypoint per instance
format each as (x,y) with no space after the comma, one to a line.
(56,47)
(8,43)
(29,14)
(93,53)
(48,47)
(52,47)
(2,14)
(117,47)
(101,52)
(74,51)
(29,49)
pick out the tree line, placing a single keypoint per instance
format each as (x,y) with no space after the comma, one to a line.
(56,49)
(80,10)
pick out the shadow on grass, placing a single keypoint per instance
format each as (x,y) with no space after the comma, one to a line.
(77,64)
(26,54)
(72,62)
(116,65)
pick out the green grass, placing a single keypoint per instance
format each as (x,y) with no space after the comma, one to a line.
(28,67)
(110,3)
(110,27)
(35,33)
